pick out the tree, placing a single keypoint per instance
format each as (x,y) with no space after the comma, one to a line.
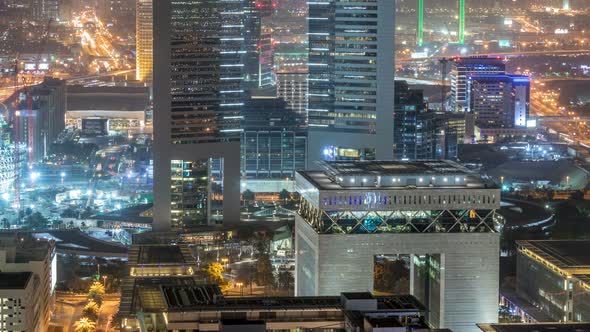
(505,316)
(264,271)
(248,196)
(284,195)
(91,310)
(214,272)
(285,280)
(261,243)
(36,221)
(5,223)
(84,325)
(96,292)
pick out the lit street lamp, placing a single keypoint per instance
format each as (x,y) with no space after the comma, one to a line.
(241,286)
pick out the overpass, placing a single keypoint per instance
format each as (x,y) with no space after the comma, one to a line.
(559,118)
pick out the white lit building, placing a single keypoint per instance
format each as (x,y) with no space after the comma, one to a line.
(437,214)
(19,310)
(27,254)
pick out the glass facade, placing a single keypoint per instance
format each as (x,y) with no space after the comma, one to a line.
(343,66)
(273,140)
(542,287)
(414,127)
(464,67)
(144,39)
(499,101)
(190,203)
(207,42)
(427,284)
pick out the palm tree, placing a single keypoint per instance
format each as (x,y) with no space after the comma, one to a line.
(84,325)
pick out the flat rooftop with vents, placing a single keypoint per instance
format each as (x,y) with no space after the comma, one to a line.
(392,174)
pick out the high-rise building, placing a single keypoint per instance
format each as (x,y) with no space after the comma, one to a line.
(26,254)
(413,125)
(258,54)
(499,101)
(434,218)
(462,68)
(198,98)
(292,87)
(42,110)
(144,40)
(351,80)
(44,10)
(273,140)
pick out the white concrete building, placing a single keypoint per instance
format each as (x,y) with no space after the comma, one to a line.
(436,213)
(26,254)
(19,308)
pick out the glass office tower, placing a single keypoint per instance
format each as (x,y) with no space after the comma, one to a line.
(351,76)
(198,97)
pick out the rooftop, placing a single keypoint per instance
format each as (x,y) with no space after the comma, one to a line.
(159,255)
(567,255)
(536,327)
(391,175)
(14,280)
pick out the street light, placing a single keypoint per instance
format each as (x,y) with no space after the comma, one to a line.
(104,281)
(241,286)
(567,181)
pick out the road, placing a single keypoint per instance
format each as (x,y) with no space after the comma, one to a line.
(501,54)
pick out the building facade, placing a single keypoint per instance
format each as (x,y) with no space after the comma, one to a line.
(198,98)
(292,87)
(499,101)
(462,68)
(258,54)
(42,110)
(414,127)
(37,257)
(351,80)
(144,40)
(172,304)
(44,10)
(273,140)
(436,214)
(554,276)
(19,309)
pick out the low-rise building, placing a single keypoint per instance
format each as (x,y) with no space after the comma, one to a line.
(22,253)
(554,276)
(19,310)
(168,304)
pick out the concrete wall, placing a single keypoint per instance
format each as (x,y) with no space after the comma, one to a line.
(469,271)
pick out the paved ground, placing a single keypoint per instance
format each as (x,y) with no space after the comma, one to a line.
(68,309)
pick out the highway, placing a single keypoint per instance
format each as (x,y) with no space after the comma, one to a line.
(497,54)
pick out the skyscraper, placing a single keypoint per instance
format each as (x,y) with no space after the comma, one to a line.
(351,80)
(258,56)
(144,40)
(414,126)
(462,68)
(198,97)
(44,10)
(499,101)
